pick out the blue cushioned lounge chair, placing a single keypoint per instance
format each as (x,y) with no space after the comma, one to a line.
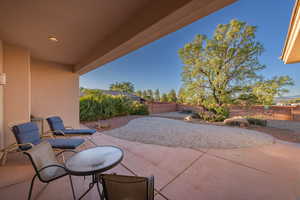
(27,135)
(57,127)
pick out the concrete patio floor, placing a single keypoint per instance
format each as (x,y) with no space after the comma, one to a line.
(269,172)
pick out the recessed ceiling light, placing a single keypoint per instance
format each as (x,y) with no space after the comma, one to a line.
(53,39)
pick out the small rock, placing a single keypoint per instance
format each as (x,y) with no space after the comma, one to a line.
(189,118)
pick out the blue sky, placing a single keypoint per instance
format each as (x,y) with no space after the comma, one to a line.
(157,65)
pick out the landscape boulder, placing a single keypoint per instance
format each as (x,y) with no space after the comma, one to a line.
(237,121)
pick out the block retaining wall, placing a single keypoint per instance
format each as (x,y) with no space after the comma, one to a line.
(272,112)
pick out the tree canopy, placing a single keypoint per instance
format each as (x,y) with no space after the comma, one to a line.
(220,70)
(164,98)
(172,97)
(157,95)
(122,87)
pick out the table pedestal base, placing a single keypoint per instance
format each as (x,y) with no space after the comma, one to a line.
(91,185)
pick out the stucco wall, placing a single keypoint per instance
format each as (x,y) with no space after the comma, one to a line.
(182,107)
(161,107)
(55,91)
(16,65)
(1,100)
(273,112)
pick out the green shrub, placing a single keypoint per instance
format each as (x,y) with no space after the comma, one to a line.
(138,109)
(257,122)
(215,114)
(101,106)
(88,109)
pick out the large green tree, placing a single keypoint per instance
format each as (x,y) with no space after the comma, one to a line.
(265,91)
(218,71)
(122,87)
(182,96)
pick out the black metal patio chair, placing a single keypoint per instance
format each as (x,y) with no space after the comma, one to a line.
(46,165)
(116,187)
(58,128)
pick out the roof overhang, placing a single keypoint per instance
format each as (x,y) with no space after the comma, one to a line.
(291,51)
(95,32)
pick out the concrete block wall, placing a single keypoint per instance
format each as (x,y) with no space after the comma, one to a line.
(161,107)
(273,112)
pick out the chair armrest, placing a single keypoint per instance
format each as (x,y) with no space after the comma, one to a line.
(48,134)
(25,144)
(67,150)
(60,131)
(13,146)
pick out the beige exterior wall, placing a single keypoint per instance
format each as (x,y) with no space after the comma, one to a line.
(55,91)
(16,65)
(36,88)
(1,100)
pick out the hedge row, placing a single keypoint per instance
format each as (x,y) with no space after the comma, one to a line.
(101,106)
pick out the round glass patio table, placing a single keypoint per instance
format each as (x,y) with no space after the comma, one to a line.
(92,162)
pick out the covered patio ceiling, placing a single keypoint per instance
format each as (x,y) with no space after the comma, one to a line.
(92,33)
(291,52)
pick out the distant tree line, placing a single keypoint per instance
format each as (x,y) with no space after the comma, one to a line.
(122,87)
(157,96)
(149,94)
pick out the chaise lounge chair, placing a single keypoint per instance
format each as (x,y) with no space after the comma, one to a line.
(27,135)
(58,128)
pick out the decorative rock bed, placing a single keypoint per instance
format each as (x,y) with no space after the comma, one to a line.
(237,121)
(169,132)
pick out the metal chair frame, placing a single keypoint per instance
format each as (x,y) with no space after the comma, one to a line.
(53,179)
(149,182)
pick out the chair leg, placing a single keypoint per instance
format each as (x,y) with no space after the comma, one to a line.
(99,191)
(5,151)
(4,157)
(31,187)
(73,192)
(63,157)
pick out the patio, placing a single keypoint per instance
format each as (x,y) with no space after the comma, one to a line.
(42,57)
(267,172)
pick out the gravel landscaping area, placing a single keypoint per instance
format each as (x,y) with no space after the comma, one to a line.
(284,124)
(169,132)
